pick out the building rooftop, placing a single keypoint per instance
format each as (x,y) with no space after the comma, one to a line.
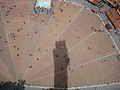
(114,17)
(95,1)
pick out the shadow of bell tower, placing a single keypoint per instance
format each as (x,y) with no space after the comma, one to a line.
(61,62)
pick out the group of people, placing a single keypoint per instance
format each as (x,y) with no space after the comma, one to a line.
(42,10)
(12,85)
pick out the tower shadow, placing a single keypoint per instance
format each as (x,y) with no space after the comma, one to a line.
(61,62)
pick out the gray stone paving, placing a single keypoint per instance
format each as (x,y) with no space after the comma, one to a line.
(115,86)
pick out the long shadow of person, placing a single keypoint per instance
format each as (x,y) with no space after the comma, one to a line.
(61,62)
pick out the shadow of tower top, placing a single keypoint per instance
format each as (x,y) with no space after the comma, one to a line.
(60,45)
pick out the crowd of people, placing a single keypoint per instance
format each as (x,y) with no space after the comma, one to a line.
(12,85)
